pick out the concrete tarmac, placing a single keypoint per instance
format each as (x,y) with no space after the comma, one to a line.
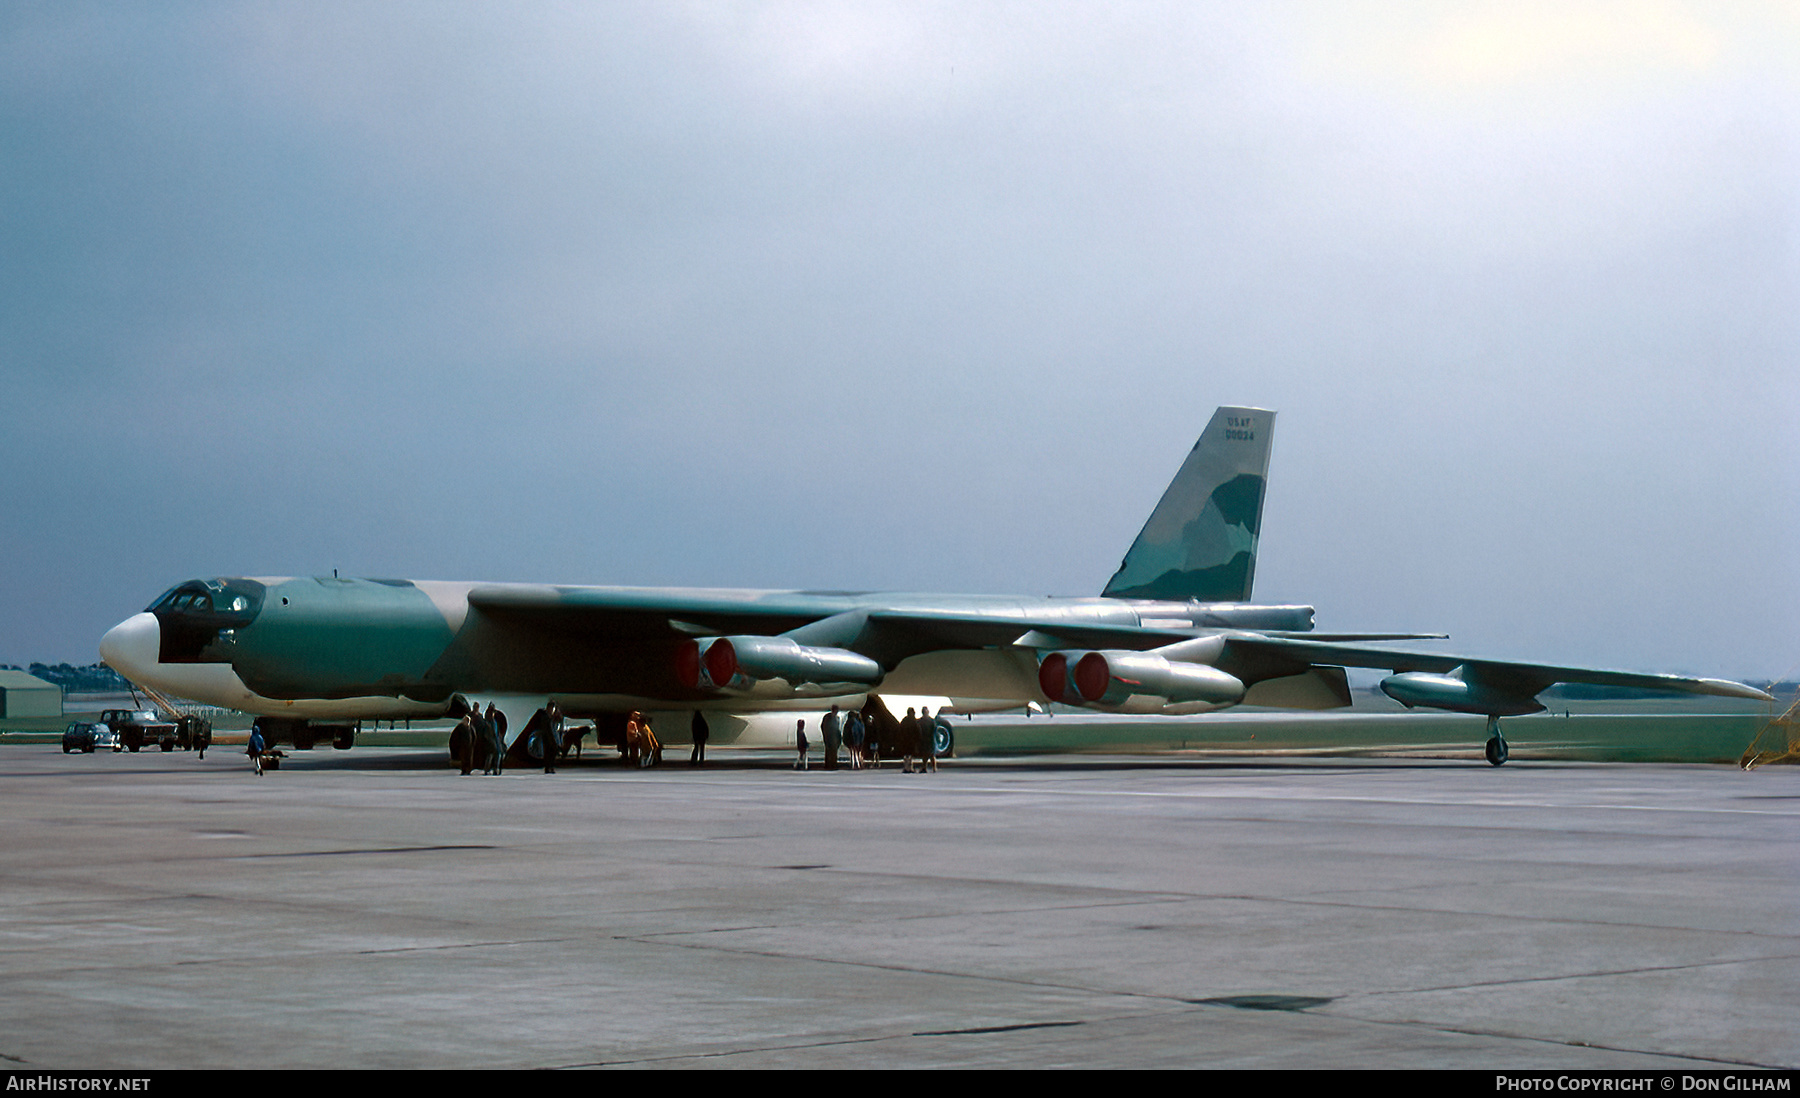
(373,908)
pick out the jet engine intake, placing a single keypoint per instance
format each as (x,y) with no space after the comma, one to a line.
(1135,682)
(738,663)
(1053,677)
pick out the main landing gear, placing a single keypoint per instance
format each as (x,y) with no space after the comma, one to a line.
(1496,745)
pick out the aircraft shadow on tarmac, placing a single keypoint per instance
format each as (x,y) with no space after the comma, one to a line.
(297,764)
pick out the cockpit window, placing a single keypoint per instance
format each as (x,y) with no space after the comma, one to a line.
(236,597)
(189,596)
(199,619)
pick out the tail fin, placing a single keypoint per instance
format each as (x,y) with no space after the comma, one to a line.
(1200,542)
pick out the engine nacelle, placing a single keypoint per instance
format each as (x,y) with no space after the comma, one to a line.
(1457,694)
(738,663)
(1134,682)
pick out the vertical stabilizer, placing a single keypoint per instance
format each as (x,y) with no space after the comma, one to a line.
(1200,542)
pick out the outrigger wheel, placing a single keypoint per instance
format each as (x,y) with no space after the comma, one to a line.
(1496,745)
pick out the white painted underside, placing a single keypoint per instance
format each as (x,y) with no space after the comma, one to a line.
(217,684)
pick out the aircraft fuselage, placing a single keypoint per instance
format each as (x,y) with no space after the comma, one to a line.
(346,649)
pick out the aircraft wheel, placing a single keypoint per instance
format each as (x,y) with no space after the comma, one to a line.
(943,740)
(1496,751)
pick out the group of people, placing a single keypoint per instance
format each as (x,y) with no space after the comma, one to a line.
(481,739)
(641,747)
(851,739)
(862,743)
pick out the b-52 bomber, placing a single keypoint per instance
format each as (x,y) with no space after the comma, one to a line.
(1173,632)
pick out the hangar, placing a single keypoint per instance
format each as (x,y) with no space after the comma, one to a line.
(23,695)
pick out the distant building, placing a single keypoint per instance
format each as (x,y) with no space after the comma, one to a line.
(23,695)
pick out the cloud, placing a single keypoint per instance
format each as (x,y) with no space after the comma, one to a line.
(905,295)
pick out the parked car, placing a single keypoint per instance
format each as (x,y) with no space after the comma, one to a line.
(86,736)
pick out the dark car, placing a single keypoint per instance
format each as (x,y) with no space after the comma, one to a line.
(141,727)
(86,736)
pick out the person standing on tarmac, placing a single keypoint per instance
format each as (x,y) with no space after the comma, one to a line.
(464,739)
(481,739)
(909,740)
(255,750)
(853,738)
(800,744)
(831,727)
(634,738)
(652,753)
(699,732)
(497,721)
(927,741)
(550,736)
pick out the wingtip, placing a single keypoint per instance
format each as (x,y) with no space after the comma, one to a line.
(1729,689)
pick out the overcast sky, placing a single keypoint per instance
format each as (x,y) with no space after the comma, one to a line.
(911,296)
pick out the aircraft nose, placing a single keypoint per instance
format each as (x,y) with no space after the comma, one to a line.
(132,646)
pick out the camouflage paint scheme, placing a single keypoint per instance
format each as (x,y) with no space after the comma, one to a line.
(1200,541)
(1173,633)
